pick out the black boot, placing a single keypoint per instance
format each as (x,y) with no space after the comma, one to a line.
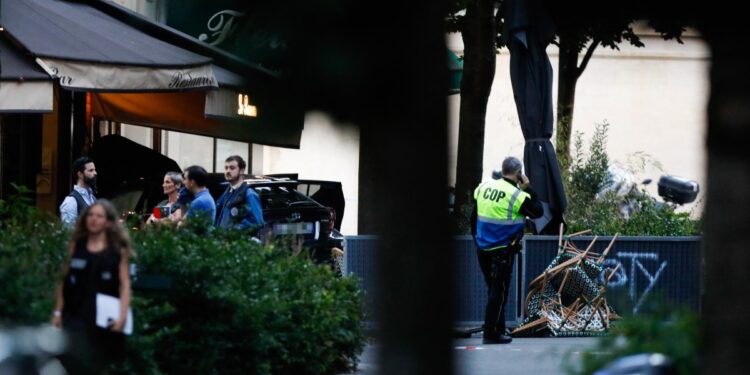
(497,339)
(496,336)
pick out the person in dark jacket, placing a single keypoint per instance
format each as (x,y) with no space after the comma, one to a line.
(502,207)
(239,207)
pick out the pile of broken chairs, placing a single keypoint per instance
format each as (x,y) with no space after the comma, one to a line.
(569,297)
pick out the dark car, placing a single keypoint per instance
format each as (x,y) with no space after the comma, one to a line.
(290,212)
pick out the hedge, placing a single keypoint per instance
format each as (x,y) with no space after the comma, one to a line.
(234,306)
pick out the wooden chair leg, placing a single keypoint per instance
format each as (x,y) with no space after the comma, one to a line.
(609,247)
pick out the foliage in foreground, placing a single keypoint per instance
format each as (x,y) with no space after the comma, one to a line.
(675,334)
(234,306)
(32,249)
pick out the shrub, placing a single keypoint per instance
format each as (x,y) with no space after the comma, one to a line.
(238,307)
(675,334)
(590,208)
(588,173)
(235,307)
(32,249)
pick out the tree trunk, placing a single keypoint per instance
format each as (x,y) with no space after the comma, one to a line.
(478,34)
(727,222)
(566,93)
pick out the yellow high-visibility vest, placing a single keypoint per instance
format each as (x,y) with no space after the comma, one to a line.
(499,222)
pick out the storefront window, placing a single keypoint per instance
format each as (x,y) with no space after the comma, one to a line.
(189,149)
(138,134)
(225,148)
(185,149)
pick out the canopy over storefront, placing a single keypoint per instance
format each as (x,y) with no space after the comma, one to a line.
(24,87)
(185,112)
(98,47)
(91,51)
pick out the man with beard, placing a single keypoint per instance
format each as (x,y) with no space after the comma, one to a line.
(82,196)
(239,207)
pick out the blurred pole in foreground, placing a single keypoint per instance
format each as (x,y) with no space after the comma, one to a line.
(382,67)
(727,215)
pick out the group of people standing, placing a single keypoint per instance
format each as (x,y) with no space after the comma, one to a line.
(238,207)
(100,248)
(187,195)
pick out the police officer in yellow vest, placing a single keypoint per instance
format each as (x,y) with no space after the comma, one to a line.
(502,207)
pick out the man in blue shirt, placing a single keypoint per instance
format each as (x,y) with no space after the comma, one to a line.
(239,207)
(203,205)
(82,196)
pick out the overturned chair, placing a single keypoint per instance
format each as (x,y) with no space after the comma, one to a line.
(569,297)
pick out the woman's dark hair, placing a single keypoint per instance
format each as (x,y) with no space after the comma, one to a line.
(117,237)
(197,174)
(240,161)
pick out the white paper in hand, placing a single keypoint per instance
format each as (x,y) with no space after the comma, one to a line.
(108,310)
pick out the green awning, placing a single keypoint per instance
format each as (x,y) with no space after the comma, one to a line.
(456,69)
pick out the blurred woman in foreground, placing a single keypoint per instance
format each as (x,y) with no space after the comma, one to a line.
(97,263)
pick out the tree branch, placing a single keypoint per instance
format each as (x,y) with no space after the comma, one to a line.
(587,57)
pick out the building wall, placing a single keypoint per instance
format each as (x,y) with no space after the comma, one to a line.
(328,151)
(654,99)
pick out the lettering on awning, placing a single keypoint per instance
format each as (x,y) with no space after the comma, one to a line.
(83,75)
(182,81)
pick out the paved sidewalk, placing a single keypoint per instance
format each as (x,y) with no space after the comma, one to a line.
(522,356)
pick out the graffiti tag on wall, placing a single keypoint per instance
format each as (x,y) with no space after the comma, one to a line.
(631,265)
